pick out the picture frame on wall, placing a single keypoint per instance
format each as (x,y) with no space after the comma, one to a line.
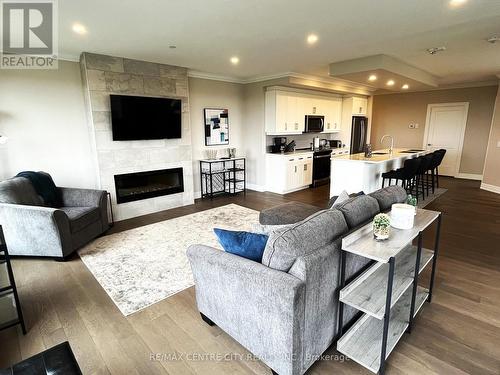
(216,126)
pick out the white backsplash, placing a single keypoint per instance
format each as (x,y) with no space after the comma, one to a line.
(303,140)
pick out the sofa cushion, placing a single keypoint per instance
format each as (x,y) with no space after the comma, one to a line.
(19,190)
(358,210)
(80,217)
(244,244)
(288,213)
(316,231)
(389,195)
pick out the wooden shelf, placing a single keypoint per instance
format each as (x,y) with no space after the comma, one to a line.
(8,311)
(4,276)
(363,342)
(361,242)
(368,292)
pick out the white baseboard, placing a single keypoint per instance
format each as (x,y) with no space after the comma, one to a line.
(256,187)
(197,194)
(492,188)
(470,176)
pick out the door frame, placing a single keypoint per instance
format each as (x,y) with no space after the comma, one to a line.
(465,105)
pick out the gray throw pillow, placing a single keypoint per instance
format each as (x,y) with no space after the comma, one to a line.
(269,229)
(340,199)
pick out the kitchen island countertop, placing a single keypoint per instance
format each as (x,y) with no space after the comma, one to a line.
(381,156)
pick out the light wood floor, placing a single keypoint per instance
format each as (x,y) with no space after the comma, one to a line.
(458,333)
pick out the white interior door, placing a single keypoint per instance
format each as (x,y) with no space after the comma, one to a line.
(445,128)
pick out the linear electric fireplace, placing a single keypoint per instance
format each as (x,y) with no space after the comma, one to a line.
(142,185)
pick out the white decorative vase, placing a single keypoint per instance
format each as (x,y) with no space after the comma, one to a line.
(402,216)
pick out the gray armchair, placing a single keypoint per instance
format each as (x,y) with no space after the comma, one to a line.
(32,229)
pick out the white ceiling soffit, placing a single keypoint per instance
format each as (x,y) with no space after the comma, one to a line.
(387,65)
(297,80)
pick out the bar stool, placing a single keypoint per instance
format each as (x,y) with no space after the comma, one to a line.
(407,174)
(425,162)
(433,169)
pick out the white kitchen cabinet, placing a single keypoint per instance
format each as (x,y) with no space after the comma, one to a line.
(333,116)
(287,173)
(359,106)
(283,113)
(286,111)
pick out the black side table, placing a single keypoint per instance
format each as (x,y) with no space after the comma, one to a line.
(222,176)
(56,360)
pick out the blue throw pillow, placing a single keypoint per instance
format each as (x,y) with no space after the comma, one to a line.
(245,244)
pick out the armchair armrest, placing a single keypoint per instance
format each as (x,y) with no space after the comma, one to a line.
(73,197)
(262,308)
(35,230)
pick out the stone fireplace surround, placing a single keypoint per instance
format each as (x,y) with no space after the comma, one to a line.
(104,75)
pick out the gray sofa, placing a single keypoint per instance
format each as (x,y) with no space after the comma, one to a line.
(284,310)
(33,229)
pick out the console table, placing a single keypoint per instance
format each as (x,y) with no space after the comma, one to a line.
(387,292)
(222,176)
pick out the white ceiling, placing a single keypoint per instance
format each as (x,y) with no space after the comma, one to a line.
(269,35)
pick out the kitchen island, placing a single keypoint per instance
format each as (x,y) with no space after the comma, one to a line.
(354,173)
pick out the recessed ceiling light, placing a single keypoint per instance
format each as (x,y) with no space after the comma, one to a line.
(372,78)
(405,87)
(234,60)
(79,28)
(390,82)
(435,50)
(457,3)
(493,39)
(312,38)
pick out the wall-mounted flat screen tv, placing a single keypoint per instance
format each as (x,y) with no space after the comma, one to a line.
(139,118)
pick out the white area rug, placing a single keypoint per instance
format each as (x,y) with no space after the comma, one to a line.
(144,265)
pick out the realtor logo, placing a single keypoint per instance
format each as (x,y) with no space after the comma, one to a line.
(29,34)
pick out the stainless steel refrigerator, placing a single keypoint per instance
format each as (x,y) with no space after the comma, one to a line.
(358,134)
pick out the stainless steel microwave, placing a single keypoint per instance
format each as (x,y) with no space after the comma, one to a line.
(314,124)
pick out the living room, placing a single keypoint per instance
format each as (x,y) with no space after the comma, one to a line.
(173,152)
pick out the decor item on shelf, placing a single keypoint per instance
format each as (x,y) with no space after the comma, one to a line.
(381,227)
(211,154)
(402,216)
(232,153)
(223,153)
(368,150)
(216,126)
(3,139)
(411,200)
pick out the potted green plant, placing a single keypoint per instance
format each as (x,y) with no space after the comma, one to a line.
(411,200)
(381,227)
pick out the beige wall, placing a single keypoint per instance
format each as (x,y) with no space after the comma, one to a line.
(491,175)
(391,114)
(204,93)
(42,113)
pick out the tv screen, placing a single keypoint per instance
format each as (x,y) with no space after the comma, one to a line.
(138,118)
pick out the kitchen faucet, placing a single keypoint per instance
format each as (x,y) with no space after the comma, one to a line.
(392,141)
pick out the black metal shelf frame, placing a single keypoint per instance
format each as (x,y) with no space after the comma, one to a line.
(222,176)
(10,289)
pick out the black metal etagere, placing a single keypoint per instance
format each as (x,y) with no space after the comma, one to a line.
(11,313)
(222,176)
